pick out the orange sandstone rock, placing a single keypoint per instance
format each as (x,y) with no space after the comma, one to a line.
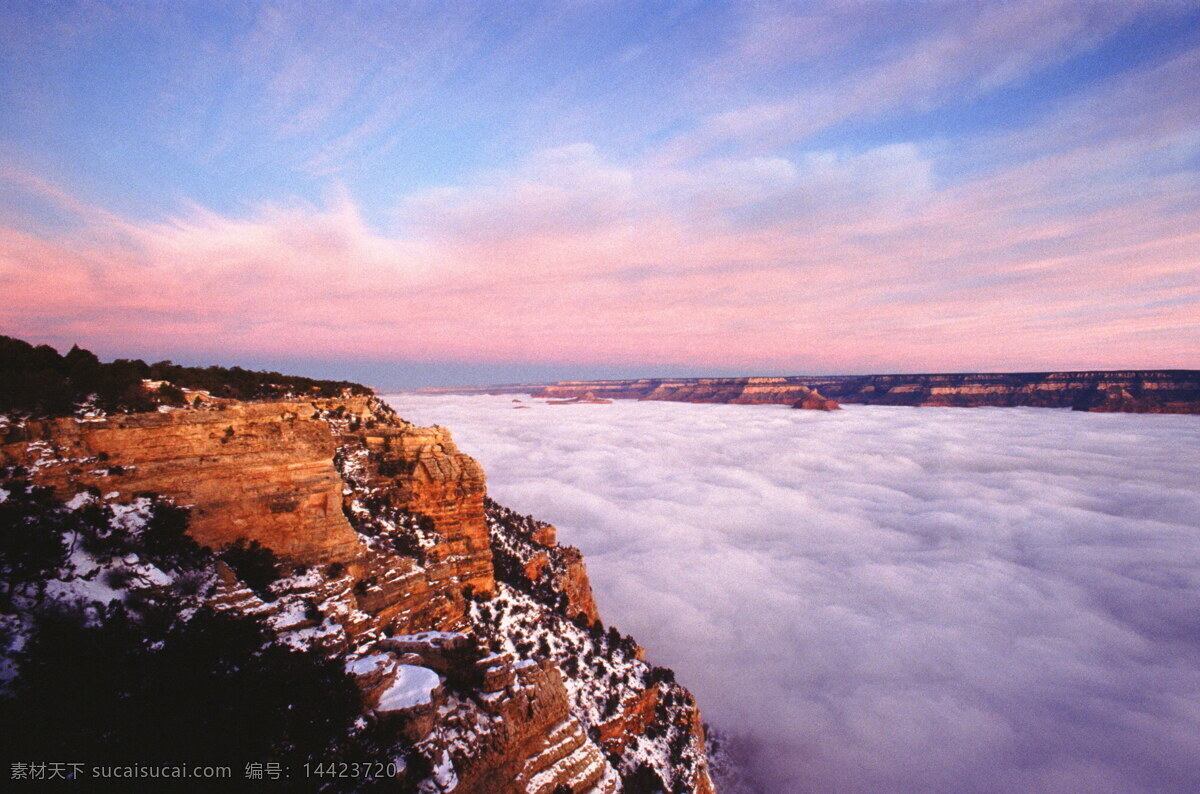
(423,472)
(632,720)
(535,566)
(263,471)
(813,401)
(577,587)
(545,535)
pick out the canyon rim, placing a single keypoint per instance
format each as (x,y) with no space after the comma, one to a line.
(765,397)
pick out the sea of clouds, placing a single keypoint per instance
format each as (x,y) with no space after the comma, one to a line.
(887,599)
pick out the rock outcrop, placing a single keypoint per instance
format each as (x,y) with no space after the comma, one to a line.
(263,471)
(527,556)
(1144,391)
(419,471)
(741,391)
(518,736)
(587,398)
(267,472)
(813,401)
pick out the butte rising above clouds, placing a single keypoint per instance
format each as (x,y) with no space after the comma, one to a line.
(888,598)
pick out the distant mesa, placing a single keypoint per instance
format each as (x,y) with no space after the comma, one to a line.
(1125,391)
(813,401)
(587,398)
(740,391)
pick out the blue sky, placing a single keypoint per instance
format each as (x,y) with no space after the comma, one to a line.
(604,188)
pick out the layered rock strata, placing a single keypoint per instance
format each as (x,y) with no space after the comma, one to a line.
(517,735)
(1137,391)
(267,472)
(261,471)
(741,391)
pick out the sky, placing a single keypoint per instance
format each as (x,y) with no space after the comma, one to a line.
(881,598)
(452,193)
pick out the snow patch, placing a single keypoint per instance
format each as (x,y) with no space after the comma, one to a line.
(288,616)
(367,664)
(444,775)
(434,637)
(304,639)
(131,517)
(412,686)
(79,500)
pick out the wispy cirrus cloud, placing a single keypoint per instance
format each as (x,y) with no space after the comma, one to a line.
(955,52)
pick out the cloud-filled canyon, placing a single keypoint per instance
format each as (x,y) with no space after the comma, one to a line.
(216,216)
(887,599)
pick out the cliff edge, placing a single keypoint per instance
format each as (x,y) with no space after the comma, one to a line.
(471,635)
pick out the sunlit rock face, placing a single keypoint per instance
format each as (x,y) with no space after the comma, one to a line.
(527,553)
(267,472)
(424,473)
(263,471)
(813,401)
(398,564)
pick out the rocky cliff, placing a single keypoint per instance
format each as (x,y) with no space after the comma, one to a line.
(261,471)
(1138,391)
(472,633)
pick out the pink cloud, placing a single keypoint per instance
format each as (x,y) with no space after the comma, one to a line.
(1075,252)
(564,191)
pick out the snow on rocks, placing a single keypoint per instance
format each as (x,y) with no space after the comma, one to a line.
(306,609)
(436,639)
(367,665)
(327,634)
(289,616)
(568,759)
(439,649)
(131,517)
(98,578)
(103,580)
(603,677)
(407,695)
(46,454)
(79,500)
(411,686)
(89,411)
(443,779)
(311,577)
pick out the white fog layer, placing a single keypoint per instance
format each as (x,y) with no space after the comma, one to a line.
(887,599)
